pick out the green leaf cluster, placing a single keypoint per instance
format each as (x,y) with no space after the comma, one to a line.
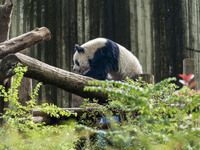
(20,132)
(151,116)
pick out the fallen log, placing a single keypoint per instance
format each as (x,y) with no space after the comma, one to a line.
(40,116)
(47,74)
(23,41)
(79,111)
(39,119)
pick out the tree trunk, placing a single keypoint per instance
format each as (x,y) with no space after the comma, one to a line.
(47,74)
(15,45)
(5,15)
(19,44)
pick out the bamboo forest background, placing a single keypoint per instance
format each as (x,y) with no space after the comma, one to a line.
(159,32)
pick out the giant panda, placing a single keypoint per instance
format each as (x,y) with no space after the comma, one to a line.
(101,57)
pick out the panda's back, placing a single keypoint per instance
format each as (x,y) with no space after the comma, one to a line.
(128,65)
(92,46)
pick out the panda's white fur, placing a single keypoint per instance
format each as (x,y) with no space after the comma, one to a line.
(129,65)
(89,60)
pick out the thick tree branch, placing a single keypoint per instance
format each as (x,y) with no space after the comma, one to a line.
(47,74)
(23,41)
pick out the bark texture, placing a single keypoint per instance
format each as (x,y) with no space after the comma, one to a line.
(5,15)
(48,74)
(23,41)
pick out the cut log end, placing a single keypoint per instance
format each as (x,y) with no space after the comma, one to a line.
(7,66)
(148,78)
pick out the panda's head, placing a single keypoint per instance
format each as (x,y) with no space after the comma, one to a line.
(81,60)
(85,53)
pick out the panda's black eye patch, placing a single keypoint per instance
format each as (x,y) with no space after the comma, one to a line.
(77,63)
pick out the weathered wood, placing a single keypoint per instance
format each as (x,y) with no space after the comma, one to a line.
(189,66)
(63,79)
(40,116)
(149,78)
(5,15)
(23,41)
(79,111)
(7,65)
(77,101)
(5,21)
(41,119)
(25,89)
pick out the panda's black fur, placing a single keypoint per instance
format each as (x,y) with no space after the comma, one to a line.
(100,57)
(105,60)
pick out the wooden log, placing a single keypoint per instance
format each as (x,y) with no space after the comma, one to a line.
(77,101)
(79,111)
(45,119)
(7,66)
(189,66)
(47,74)
(63,79)
(40,116)
(25,90)
(148,78)
(23,41)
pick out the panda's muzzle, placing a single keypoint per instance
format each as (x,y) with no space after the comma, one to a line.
(81,72)
(78,71)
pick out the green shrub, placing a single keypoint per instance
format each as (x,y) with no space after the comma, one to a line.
(151,116)
(20,132)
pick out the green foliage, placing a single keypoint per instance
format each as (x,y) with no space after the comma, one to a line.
(156,116)
(19,131)
(151,117)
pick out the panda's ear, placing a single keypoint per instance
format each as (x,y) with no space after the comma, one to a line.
(79,49)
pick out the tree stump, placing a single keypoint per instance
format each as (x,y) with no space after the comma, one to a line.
(148,78)
(189,66)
